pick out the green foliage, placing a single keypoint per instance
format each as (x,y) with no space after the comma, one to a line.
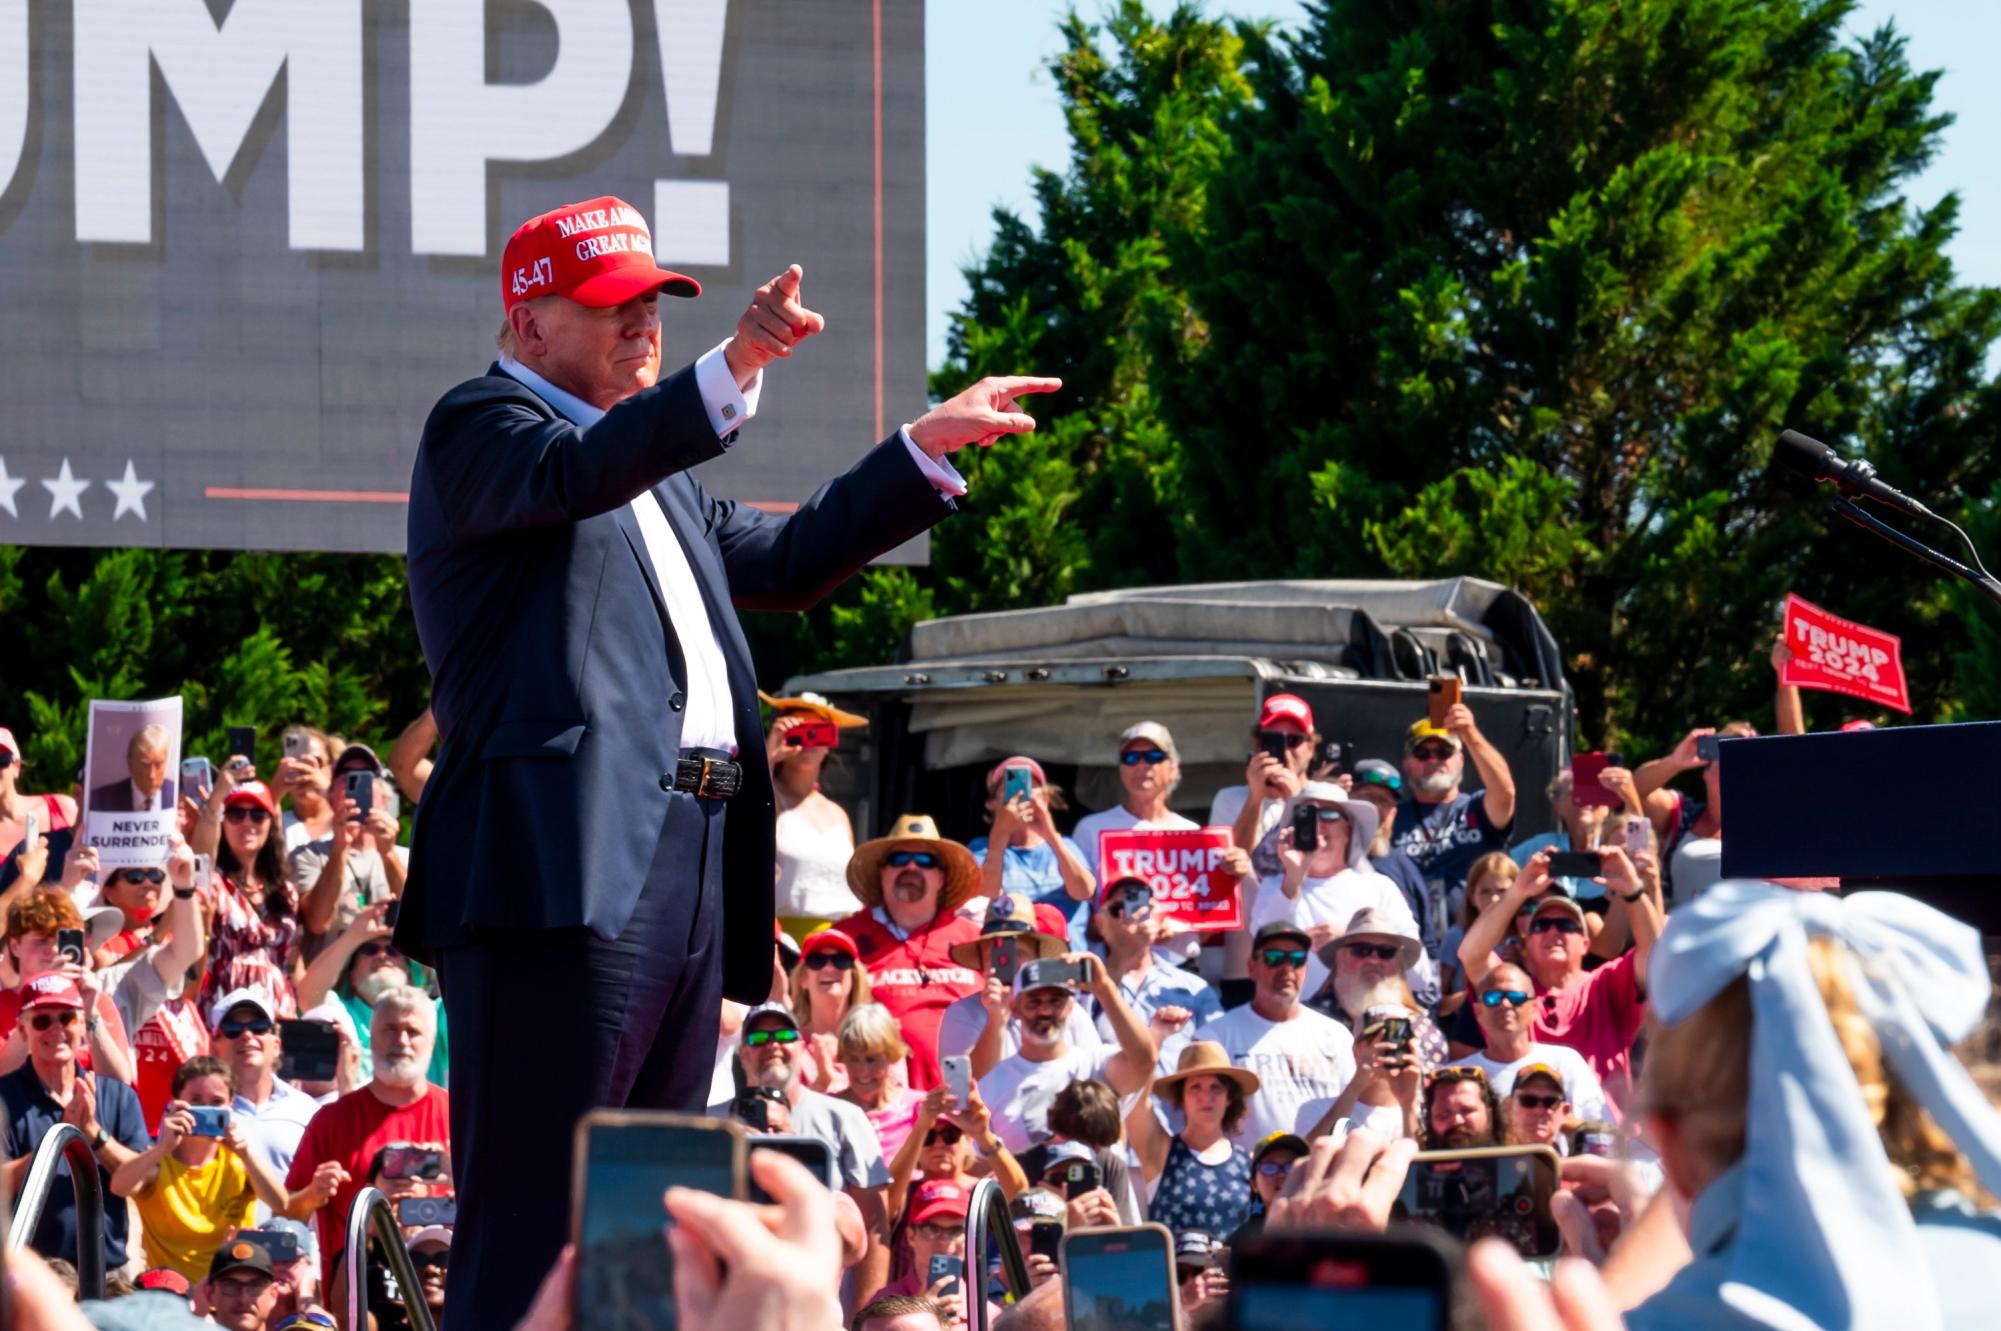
(245,639)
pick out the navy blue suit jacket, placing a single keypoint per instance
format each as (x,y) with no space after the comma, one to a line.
(556,678)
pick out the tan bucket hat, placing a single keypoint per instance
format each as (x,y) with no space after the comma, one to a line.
(1010,915)
(1206,1058)
(915,831)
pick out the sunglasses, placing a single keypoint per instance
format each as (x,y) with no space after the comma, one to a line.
(819,961)
(1529,1100)
(41,1021)
(138,876)
(1564,926)
(377,950)
(440,1259)
(234,1030)
(946,1134)
(778,1035)
(1291,740)
(1274,1168)
(1327,815)
(1283,956)
(1496,997)
(1151,757)
(238,813)
(903,859)
(1366,951)
(1456,1074)
(6,758)
(1432,753)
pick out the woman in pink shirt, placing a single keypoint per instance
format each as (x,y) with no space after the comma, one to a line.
(872,1047)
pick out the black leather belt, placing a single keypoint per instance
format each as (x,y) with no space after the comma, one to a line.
(705,774)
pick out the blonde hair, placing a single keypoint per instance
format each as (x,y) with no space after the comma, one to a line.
(795,988)
(1493,862)
(1699,1074)
(870,1029)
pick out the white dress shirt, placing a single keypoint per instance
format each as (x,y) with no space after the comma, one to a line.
(709,719)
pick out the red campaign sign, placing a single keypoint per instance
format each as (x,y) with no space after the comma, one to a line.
(1841,656)
(1185,870)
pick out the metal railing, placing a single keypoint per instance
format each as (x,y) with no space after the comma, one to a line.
(371,1207)
(63,1142)
(986,1215)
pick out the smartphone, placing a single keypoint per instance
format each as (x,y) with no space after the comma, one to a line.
(1119,1279)
(31,823)
(197,777)
(1080,1177)
(1306,828)
(402,1160)
(204,873)
(1273,742)
(944,1265)
(1341,1279)
(308,1051)
(427,1211)
(1391,1027)
(1046,1237)
(1442,697)
(1331,757)
(811,1152)
(1139,898)
(210,1120)
(284,1245)
(243,743)
(1017,783)
(1004,956)
(1058,970)
(625,1160)
(69,945)
(1639,833)
(296,743)
(394,913)
(753,1111)
(1576,864)
(1585,787)
(359,788)
(1489,1191)
(958,1073)
(1706,748)
(814,735)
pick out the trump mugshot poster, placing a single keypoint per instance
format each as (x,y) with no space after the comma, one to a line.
(131,781)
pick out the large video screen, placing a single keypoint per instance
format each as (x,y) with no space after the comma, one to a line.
(247,244)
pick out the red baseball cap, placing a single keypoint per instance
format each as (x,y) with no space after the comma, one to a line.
(7,743)
(597,253)
(1033,767)
(936,1198)
(253,792)
(163,1277)
(830,940)
(1286,706)
(51,991)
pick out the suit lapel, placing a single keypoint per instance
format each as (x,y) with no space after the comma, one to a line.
(629,524)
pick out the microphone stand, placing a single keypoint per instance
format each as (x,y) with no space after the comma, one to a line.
(1979,577)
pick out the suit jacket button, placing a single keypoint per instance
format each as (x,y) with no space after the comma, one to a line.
(677,702)
(667,783)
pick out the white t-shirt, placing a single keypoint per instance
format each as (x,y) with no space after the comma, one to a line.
(1228,805)
(964,1021)
(1018,1091)
(1303,1065)
(1580,1084)
(1332,901)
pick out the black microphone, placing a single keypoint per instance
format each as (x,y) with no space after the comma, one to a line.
(1856,479)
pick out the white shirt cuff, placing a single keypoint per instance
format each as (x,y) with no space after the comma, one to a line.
(941,473)
(730,409)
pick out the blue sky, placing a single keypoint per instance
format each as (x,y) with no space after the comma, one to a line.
(980,145)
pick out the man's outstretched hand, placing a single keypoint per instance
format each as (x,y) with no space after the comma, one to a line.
(774,324)
(978,415)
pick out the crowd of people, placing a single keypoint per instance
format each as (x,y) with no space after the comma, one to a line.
(245,1050)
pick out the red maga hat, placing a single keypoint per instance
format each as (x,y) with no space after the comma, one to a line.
(598,253)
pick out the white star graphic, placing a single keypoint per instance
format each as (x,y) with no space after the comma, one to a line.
(64,492)
(131,493)
(8,486)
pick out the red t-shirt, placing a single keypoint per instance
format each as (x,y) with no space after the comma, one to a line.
(1599,1015)
(351,1130)
(170,1037)
(916,979)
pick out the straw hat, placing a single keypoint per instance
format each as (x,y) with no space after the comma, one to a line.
(815,704)
(915,831)
(1206,1058)
(1010,915)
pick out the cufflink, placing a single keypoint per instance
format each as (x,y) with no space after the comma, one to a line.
(729,411)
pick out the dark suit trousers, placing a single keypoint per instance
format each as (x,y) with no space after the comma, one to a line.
(549,1023)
